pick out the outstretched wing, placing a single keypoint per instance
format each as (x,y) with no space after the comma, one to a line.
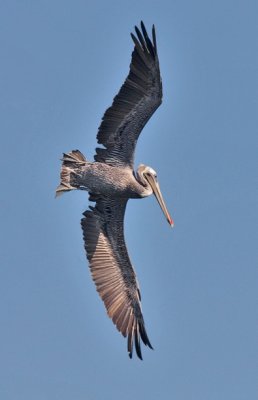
(133,106)
(112,271)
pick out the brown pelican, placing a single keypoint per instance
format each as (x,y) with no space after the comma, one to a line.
(111,181)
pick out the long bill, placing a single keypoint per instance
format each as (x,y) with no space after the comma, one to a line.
(156,190)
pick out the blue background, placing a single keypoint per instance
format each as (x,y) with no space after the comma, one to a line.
(61,64)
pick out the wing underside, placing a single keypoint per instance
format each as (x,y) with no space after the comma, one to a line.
(112,271)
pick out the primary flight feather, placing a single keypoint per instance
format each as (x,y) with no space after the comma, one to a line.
(111,182)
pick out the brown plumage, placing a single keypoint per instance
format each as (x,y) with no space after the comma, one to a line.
(111,181)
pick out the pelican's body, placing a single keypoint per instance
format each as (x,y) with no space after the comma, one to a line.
(111,181)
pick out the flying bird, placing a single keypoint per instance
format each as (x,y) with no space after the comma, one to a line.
(111,181)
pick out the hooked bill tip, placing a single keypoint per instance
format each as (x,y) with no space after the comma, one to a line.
(171,222)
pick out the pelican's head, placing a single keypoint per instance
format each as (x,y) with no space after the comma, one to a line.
(148,177)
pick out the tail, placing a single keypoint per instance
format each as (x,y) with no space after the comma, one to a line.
(71,161)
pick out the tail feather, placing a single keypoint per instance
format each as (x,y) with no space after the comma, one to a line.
(70,161)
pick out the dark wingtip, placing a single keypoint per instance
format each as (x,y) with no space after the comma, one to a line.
(144,335)
(154,38)
(150,346)
(140,37)
(150,45)
(135,335)
(134,39)
(137,342)
(144,41)
(143,26)
(130,344)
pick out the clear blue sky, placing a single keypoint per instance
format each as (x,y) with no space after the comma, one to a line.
(61,64)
